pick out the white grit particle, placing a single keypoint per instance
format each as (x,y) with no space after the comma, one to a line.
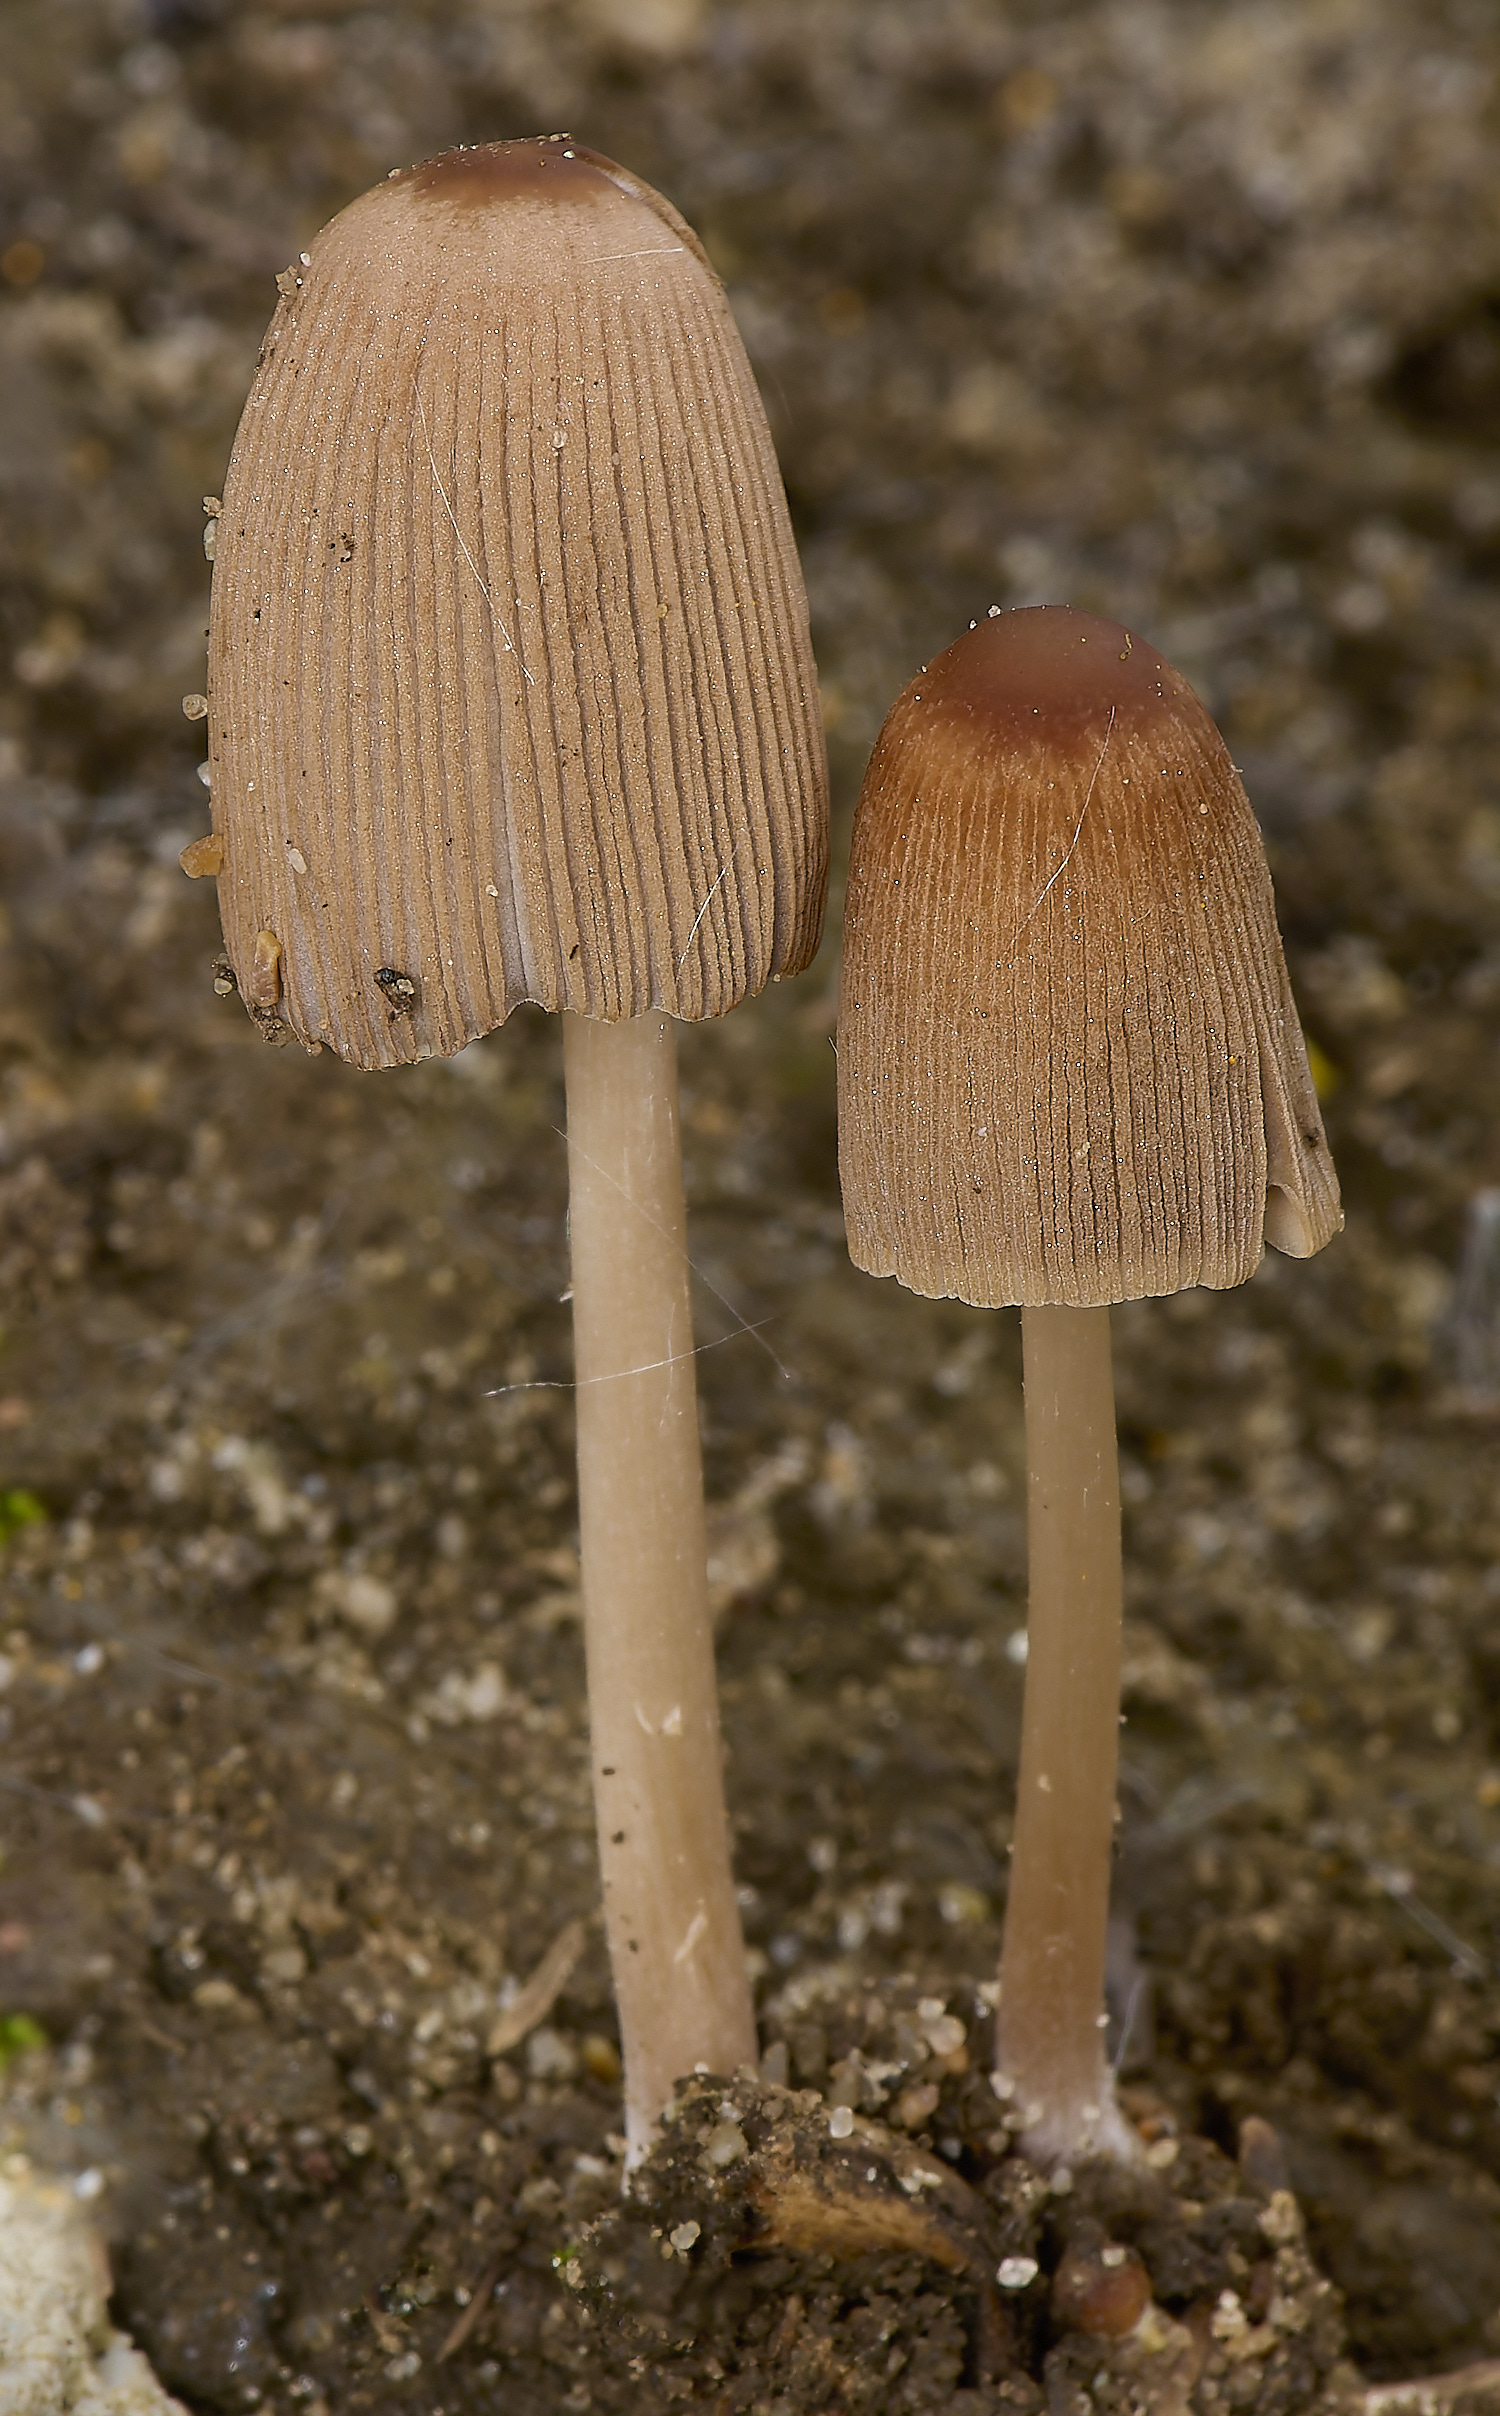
(725,2144)
(1014,2273)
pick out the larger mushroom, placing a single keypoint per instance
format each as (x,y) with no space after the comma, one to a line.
(1070,1073)
(512,699)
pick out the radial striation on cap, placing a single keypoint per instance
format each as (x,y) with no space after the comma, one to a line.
(1070,1064)
(511,691)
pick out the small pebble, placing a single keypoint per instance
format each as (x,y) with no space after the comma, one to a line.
(1281,2221)
(1016,2273)
(725,2143)
(1262,2157)
(1101,2288)
(916,2105)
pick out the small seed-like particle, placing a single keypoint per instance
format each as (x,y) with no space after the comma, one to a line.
(915,2105)
(195,707)
(1100,2287)
(1262,2156)
(203,857)
(265,970)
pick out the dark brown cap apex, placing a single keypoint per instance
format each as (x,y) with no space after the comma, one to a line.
(542,167)
(1070,1067)
(1046,671)
(550,168)
(511,689)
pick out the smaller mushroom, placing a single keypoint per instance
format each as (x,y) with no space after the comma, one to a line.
(1070,1073)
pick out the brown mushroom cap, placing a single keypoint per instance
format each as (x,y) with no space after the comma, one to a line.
(511,692)
(1070,1065)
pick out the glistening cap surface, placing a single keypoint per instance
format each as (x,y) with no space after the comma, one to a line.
(511,692)
(1070,1065)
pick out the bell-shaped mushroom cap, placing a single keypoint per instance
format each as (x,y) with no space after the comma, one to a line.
(1070,1066)
(511,692)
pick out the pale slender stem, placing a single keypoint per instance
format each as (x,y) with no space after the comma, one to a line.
(675,1942)
(1049,2041)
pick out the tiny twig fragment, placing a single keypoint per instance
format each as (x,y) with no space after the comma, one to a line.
(537,1998)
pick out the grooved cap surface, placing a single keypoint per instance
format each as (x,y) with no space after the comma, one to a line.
(1070,1065)
(511,691)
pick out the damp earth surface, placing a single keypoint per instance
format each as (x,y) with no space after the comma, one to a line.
(1184,316)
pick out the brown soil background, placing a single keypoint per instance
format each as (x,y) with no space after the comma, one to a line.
(1185,313)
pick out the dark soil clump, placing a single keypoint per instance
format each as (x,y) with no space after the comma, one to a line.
(782,2242)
